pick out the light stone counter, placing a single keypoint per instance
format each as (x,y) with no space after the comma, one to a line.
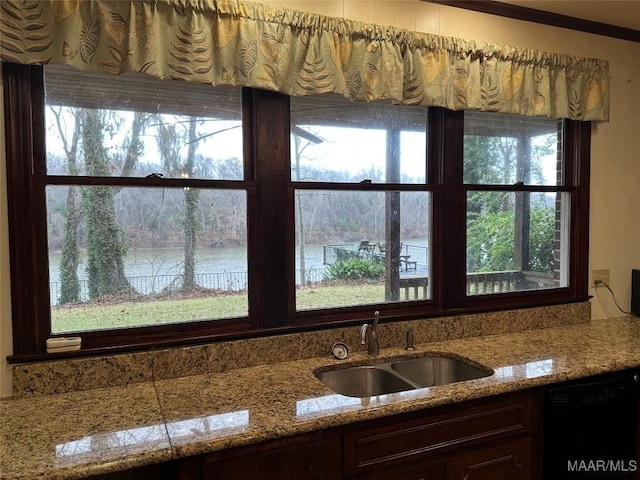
(82,433)
(69,435)
(265,402)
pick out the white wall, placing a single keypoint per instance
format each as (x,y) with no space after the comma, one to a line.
(615,178)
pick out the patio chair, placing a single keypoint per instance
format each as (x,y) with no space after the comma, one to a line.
(365,247)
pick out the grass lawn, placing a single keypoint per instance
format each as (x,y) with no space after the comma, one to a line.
(97,316)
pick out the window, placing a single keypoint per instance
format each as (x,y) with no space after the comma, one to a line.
(172,212)
(517,204)
(362,206)
(141,251)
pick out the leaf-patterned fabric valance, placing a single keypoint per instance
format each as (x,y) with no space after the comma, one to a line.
(229,42)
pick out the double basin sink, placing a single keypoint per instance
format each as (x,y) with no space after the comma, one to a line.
(398,375)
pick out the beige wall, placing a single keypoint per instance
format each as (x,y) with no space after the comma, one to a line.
(5,292)
(615,179)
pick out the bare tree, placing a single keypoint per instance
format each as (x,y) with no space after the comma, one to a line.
(70,260)
(171,139)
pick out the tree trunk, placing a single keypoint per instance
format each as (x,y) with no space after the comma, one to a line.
(69,282)
(191,197)
(70,261)
(135,147)
(301,240)
(300,216)
(105,248)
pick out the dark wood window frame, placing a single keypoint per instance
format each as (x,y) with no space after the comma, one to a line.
(271,229)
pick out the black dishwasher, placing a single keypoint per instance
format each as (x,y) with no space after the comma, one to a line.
(591,428)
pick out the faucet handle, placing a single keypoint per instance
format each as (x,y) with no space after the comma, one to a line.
(409,338)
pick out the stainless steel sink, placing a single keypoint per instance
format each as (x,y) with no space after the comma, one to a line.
(436,370)
(398,375)
(364,381)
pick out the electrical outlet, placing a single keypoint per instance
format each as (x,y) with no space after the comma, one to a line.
(600,276)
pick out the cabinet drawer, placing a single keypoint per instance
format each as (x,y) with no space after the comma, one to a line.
(509,461)
(438,431)
(421,471)
(303,457)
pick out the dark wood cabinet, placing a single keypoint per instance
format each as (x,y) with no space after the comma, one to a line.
(490,438)
(421,471)
(303,457)
(304,461)
(509,461)
(438,432)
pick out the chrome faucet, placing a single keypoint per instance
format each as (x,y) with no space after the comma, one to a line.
(369,335)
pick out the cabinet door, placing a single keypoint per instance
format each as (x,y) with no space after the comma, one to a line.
(300,462)
(508,461)
(405,440)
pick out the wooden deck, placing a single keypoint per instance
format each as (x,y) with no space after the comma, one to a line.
(414,273)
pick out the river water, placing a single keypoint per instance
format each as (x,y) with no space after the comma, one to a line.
(151,270)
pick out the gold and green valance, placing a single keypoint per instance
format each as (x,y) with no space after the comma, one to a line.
(231,42)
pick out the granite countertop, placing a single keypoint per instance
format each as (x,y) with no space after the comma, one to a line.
(71,435)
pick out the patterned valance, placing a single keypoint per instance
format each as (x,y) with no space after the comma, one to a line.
(229,42)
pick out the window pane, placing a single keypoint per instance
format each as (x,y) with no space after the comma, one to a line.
(357,248)
(134,126)
(333,140)
(504,149)
(124,257)
(516,241)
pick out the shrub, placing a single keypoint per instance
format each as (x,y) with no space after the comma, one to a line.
(354,269)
